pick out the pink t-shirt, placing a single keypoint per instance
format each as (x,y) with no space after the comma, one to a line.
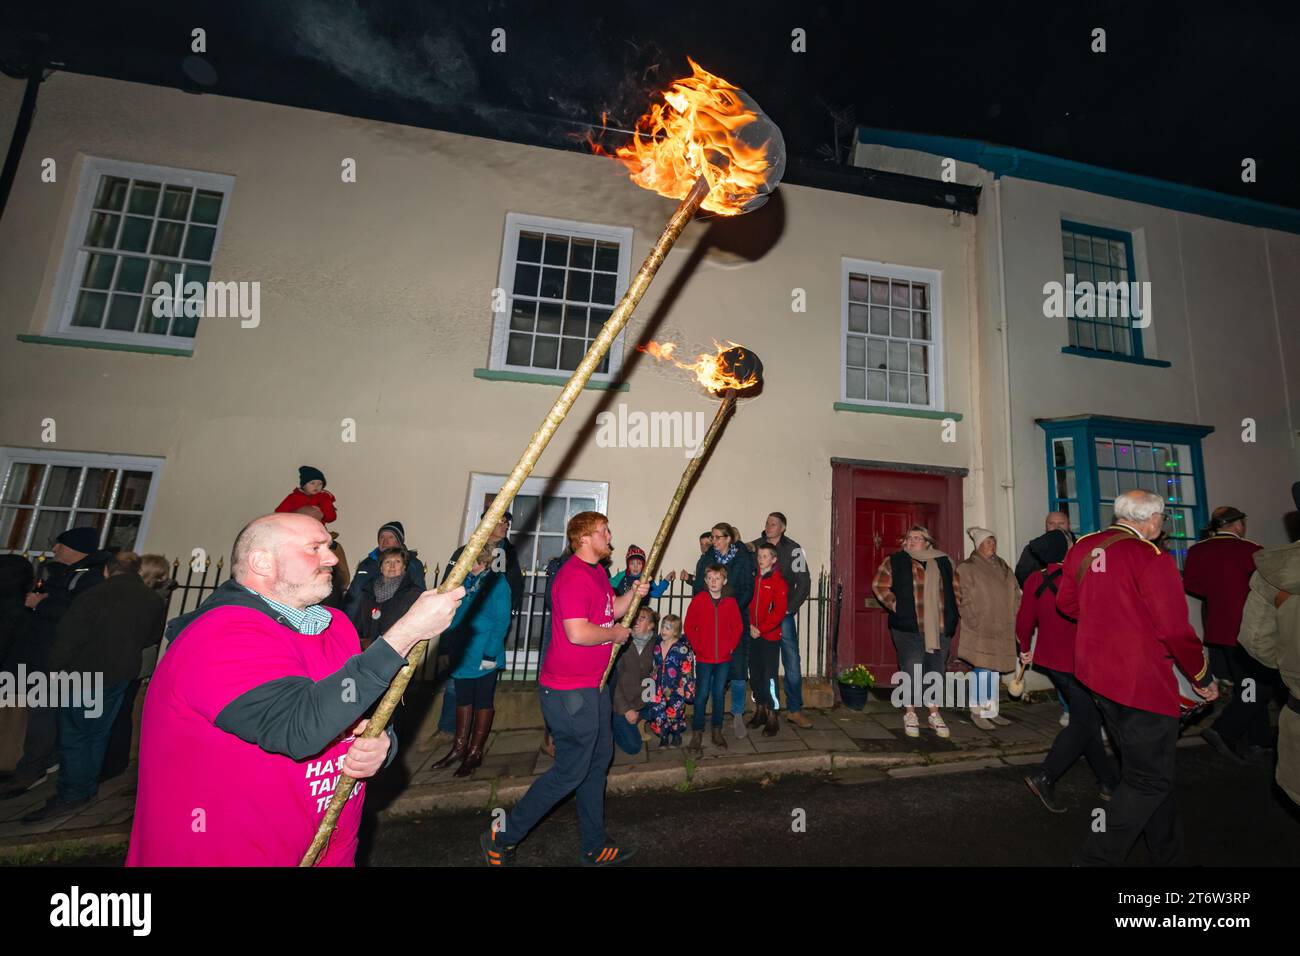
(208,798)
(580,590)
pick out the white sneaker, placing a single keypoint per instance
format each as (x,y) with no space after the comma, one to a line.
(911,725)
(738,724)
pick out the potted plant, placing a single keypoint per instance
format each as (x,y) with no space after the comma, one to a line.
(855,684)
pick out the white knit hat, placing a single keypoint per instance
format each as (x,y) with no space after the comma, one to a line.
(977,535)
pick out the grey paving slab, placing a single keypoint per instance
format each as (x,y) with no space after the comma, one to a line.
(869,730)
(828,740)
(934,770)
(1025,760)
(772,745)
(516,741)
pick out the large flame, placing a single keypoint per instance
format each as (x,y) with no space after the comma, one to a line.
(715,372)
(702,130)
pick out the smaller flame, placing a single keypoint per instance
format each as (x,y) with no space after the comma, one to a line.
(712,371)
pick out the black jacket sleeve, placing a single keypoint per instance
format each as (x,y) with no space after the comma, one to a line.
(298,717)
(1026,566)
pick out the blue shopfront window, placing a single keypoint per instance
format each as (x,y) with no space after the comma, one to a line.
(1091,459)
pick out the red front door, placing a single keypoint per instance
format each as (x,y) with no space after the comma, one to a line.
(872,509)
(878,529)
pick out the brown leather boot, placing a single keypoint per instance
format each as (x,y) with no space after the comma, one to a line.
(463,715)
(717,738)
(474,757)
(772,727)
(759,718)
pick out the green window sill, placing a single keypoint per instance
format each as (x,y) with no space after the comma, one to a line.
(494,375)
(1114,357)
(109,346)
(902,412)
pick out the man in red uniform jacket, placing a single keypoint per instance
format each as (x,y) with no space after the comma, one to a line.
(1053,656)
(1218,571)
(1128,599)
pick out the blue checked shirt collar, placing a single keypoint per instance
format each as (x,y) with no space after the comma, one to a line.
(311,620)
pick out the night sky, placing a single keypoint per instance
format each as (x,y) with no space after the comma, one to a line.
(1184,92)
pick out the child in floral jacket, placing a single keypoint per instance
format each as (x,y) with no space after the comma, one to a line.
(674,676)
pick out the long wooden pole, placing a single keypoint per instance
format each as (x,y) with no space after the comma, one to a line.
(615,324)
(670,517)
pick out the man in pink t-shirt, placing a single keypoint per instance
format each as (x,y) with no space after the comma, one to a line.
(252,716)
(577,712)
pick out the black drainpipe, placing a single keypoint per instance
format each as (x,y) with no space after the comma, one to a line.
(21,128)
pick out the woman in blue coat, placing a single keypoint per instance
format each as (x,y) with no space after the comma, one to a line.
(480,627)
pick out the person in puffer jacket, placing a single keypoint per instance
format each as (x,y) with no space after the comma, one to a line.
(766,613)
(713,627)
(1270,633)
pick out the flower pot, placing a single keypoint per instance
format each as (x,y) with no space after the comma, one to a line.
(854,697)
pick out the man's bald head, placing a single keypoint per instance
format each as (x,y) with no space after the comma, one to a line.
(286,557)
(1056,521)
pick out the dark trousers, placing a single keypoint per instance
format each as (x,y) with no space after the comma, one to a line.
(1082,737)
(476,692)
(118,755)
(914,659)
(82,742)
(580,723)
(1143,803)
(1243,718)
(764,660)
(626,736)
(710,683)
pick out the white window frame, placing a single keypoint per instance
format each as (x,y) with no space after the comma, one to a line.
(517,222)
(933,278)
(481,485)
(72,263)
(10,455)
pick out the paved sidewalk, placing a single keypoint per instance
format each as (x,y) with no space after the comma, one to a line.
(840,741)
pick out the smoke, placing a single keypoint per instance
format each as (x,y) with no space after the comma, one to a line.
(416,53)
(432,67)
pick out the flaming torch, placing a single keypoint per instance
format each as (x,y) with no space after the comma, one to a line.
(734,368)
(708,145)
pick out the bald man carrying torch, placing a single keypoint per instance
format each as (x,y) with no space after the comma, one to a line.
(255,711)
(583,625)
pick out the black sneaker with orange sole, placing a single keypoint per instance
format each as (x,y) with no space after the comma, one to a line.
(496,853)
(608,855)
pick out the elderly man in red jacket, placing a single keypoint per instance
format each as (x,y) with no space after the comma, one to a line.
(1126,594)
(1217,571)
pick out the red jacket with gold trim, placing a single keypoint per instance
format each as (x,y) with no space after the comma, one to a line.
(1217,571)
(1132,621)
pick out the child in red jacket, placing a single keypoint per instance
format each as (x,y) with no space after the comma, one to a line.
(766,612)
(310,491)
(713,627)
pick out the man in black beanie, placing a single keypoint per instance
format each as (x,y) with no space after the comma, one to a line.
(77,567)
(391,535)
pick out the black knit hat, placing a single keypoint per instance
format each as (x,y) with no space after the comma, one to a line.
(1051,546)
(85,540)
(307,473)
(634,552)
(396,528)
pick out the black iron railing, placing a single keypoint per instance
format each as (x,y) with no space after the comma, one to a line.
(530,622)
